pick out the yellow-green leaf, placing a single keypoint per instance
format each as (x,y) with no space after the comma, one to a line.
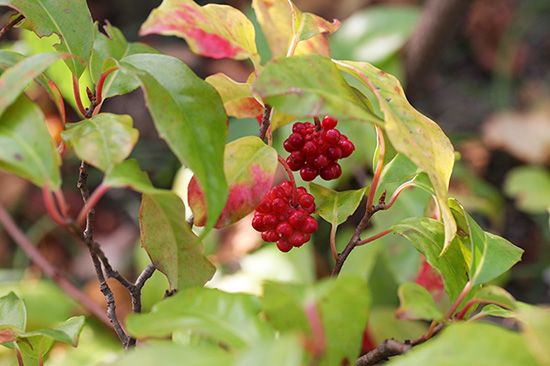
(238,100)
(26,148)
(411,133)
(174,249)
(69,19)
(102,141)
(281,21)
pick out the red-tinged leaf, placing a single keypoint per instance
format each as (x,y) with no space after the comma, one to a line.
(282,21)
(317,45)
(217,31)
(430,279)
(237,97)
(249,168)
(7,335)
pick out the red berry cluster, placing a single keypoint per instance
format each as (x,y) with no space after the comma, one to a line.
(315,150)
(283,216)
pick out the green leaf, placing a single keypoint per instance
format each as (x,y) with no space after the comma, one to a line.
(417,303)
(66,332)
(103,140)
(238,100)
(285,305)
(15,79)
(488,255)
(335,207)
(426,235)
(170,353)
(384,325)
(282,20)
(375,33)
(250,167)
(128,174)
(411,133)
(310,86)
(281,351)
(530,187)
(213,30)
(228,318)
(170,243)
(13,314)
(27,148)
(69,19)
(8,59)
(470,344)
(109,47)
(495,310)
(535,325)
(189,115)
(496,295)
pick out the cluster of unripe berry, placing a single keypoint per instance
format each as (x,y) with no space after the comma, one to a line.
(315,150)
(284,214)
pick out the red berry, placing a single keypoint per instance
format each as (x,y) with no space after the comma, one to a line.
(308,173)
(329,122)
(320,162)
(334,153)
(270,236)
(310,226)
(298,127)
(306,200)
(310,149)
(258,222)
(332,171)
(297,218)
(283,245)
(270,222)
(285,229)
(332,136)
(297,239)
(296,160)
(296,140)
(347,147)
(279,205)
(286,217)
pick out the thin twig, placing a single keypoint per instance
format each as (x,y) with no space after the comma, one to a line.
(10,25)
(391,347)
(88,237)
(52,272)
(355,238)
(266,122)
(374,237)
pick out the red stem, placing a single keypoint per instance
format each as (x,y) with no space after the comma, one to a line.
(317,344)
(62,203)
(52,272)
(101,83)
(91,203)
(51,207)
(288,170)
(374,237)
(471,303)
(333,241)
(397,192)
(379,166)
(76,91)
(60,103)
(19,357)
(465,291)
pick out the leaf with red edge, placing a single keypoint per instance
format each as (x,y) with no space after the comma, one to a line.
(237,97)
(213,30)
(249,166)
(282,20)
